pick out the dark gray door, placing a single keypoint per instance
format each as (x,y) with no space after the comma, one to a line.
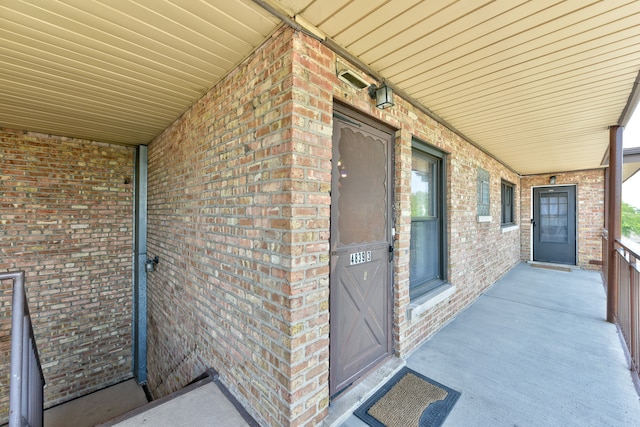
(554,224)
(360,279)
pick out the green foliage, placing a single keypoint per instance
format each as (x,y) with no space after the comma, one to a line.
(419,204)
(630,220)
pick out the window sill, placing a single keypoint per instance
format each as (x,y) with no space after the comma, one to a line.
(507,228)
(483,218)
(430,300)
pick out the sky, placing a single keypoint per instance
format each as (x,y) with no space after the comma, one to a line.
(631,138)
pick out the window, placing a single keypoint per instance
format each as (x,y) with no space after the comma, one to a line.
(427,246)
(484,205)
(506,193)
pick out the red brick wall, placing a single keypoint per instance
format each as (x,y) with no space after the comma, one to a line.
(66,219)
(590,213)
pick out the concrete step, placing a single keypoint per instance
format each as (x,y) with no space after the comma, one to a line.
(204,403)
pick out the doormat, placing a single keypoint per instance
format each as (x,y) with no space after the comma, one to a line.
(408,399)
(552,267)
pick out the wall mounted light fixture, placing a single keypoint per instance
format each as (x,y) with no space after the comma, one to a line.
(552,180)
(150,264)
(383,95)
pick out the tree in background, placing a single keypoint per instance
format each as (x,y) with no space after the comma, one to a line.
(630,220)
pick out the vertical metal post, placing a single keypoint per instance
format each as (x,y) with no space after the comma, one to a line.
(17,323)
(633,307)
(613,218)
(27,381)
(605,231)
(139,272)
(25,368)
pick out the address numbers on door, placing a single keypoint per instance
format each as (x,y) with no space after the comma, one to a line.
(360,257)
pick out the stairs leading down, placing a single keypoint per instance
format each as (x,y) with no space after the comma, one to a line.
(205,402)
(97,407)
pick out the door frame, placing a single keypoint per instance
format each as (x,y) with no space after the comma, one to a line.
(532,210)
(357,117)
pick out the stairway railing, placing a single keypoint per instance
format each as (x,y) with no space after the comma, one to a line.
(26,395)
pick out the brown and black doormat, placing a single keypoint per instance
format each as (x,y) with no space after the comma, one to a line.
(408,399)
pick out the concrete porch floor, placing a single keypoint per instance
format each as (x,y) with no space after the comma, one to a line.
(534,350)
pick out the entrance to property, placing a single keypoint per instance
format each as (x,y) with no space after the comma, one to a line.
(554,224)
(361,248)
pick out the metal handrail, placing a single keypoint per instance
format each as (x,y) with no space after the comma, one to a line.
(630,247)
(628,305)
(26,395)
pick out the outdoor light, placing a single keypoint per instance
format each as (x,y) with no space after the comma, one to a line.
(552,180)
(383,95)
(150,264)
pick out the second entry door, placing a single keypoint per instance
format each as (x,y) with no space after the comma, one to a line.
(361,251)
(554,224)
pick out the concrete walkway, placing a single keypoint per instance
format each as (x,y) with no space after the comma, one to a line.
(534,350)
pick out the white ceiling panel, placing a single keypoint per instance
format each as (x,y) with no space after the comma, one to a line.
(535,83)
(117,71)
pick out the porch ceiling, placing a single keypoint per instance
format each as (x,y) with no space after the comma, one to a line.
(534,83)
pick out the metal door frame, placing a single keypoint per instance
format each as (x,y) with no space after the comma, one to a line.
(139,304)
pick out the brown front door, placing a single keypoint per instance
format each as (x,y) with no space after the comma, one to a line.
(361,251)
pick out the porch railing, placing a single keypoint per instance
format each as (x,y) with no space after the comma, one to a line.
(27,381)
(628,306)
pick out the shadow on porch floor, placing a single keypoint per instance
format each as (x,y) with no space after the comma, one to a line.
(204,403)
(97,407)
(534,350)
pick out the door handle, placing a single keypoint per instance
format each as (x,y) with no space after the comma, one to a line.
(533,222)
(391,252)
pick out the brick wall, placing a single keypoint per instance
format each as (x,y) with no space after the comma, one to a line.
(479,253)
(239,207)
(239,216)
(66,219)
(239,210)
(590,213)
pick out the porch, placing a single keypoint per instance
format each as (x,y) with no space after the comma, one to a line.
(535,349)
(203,150)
